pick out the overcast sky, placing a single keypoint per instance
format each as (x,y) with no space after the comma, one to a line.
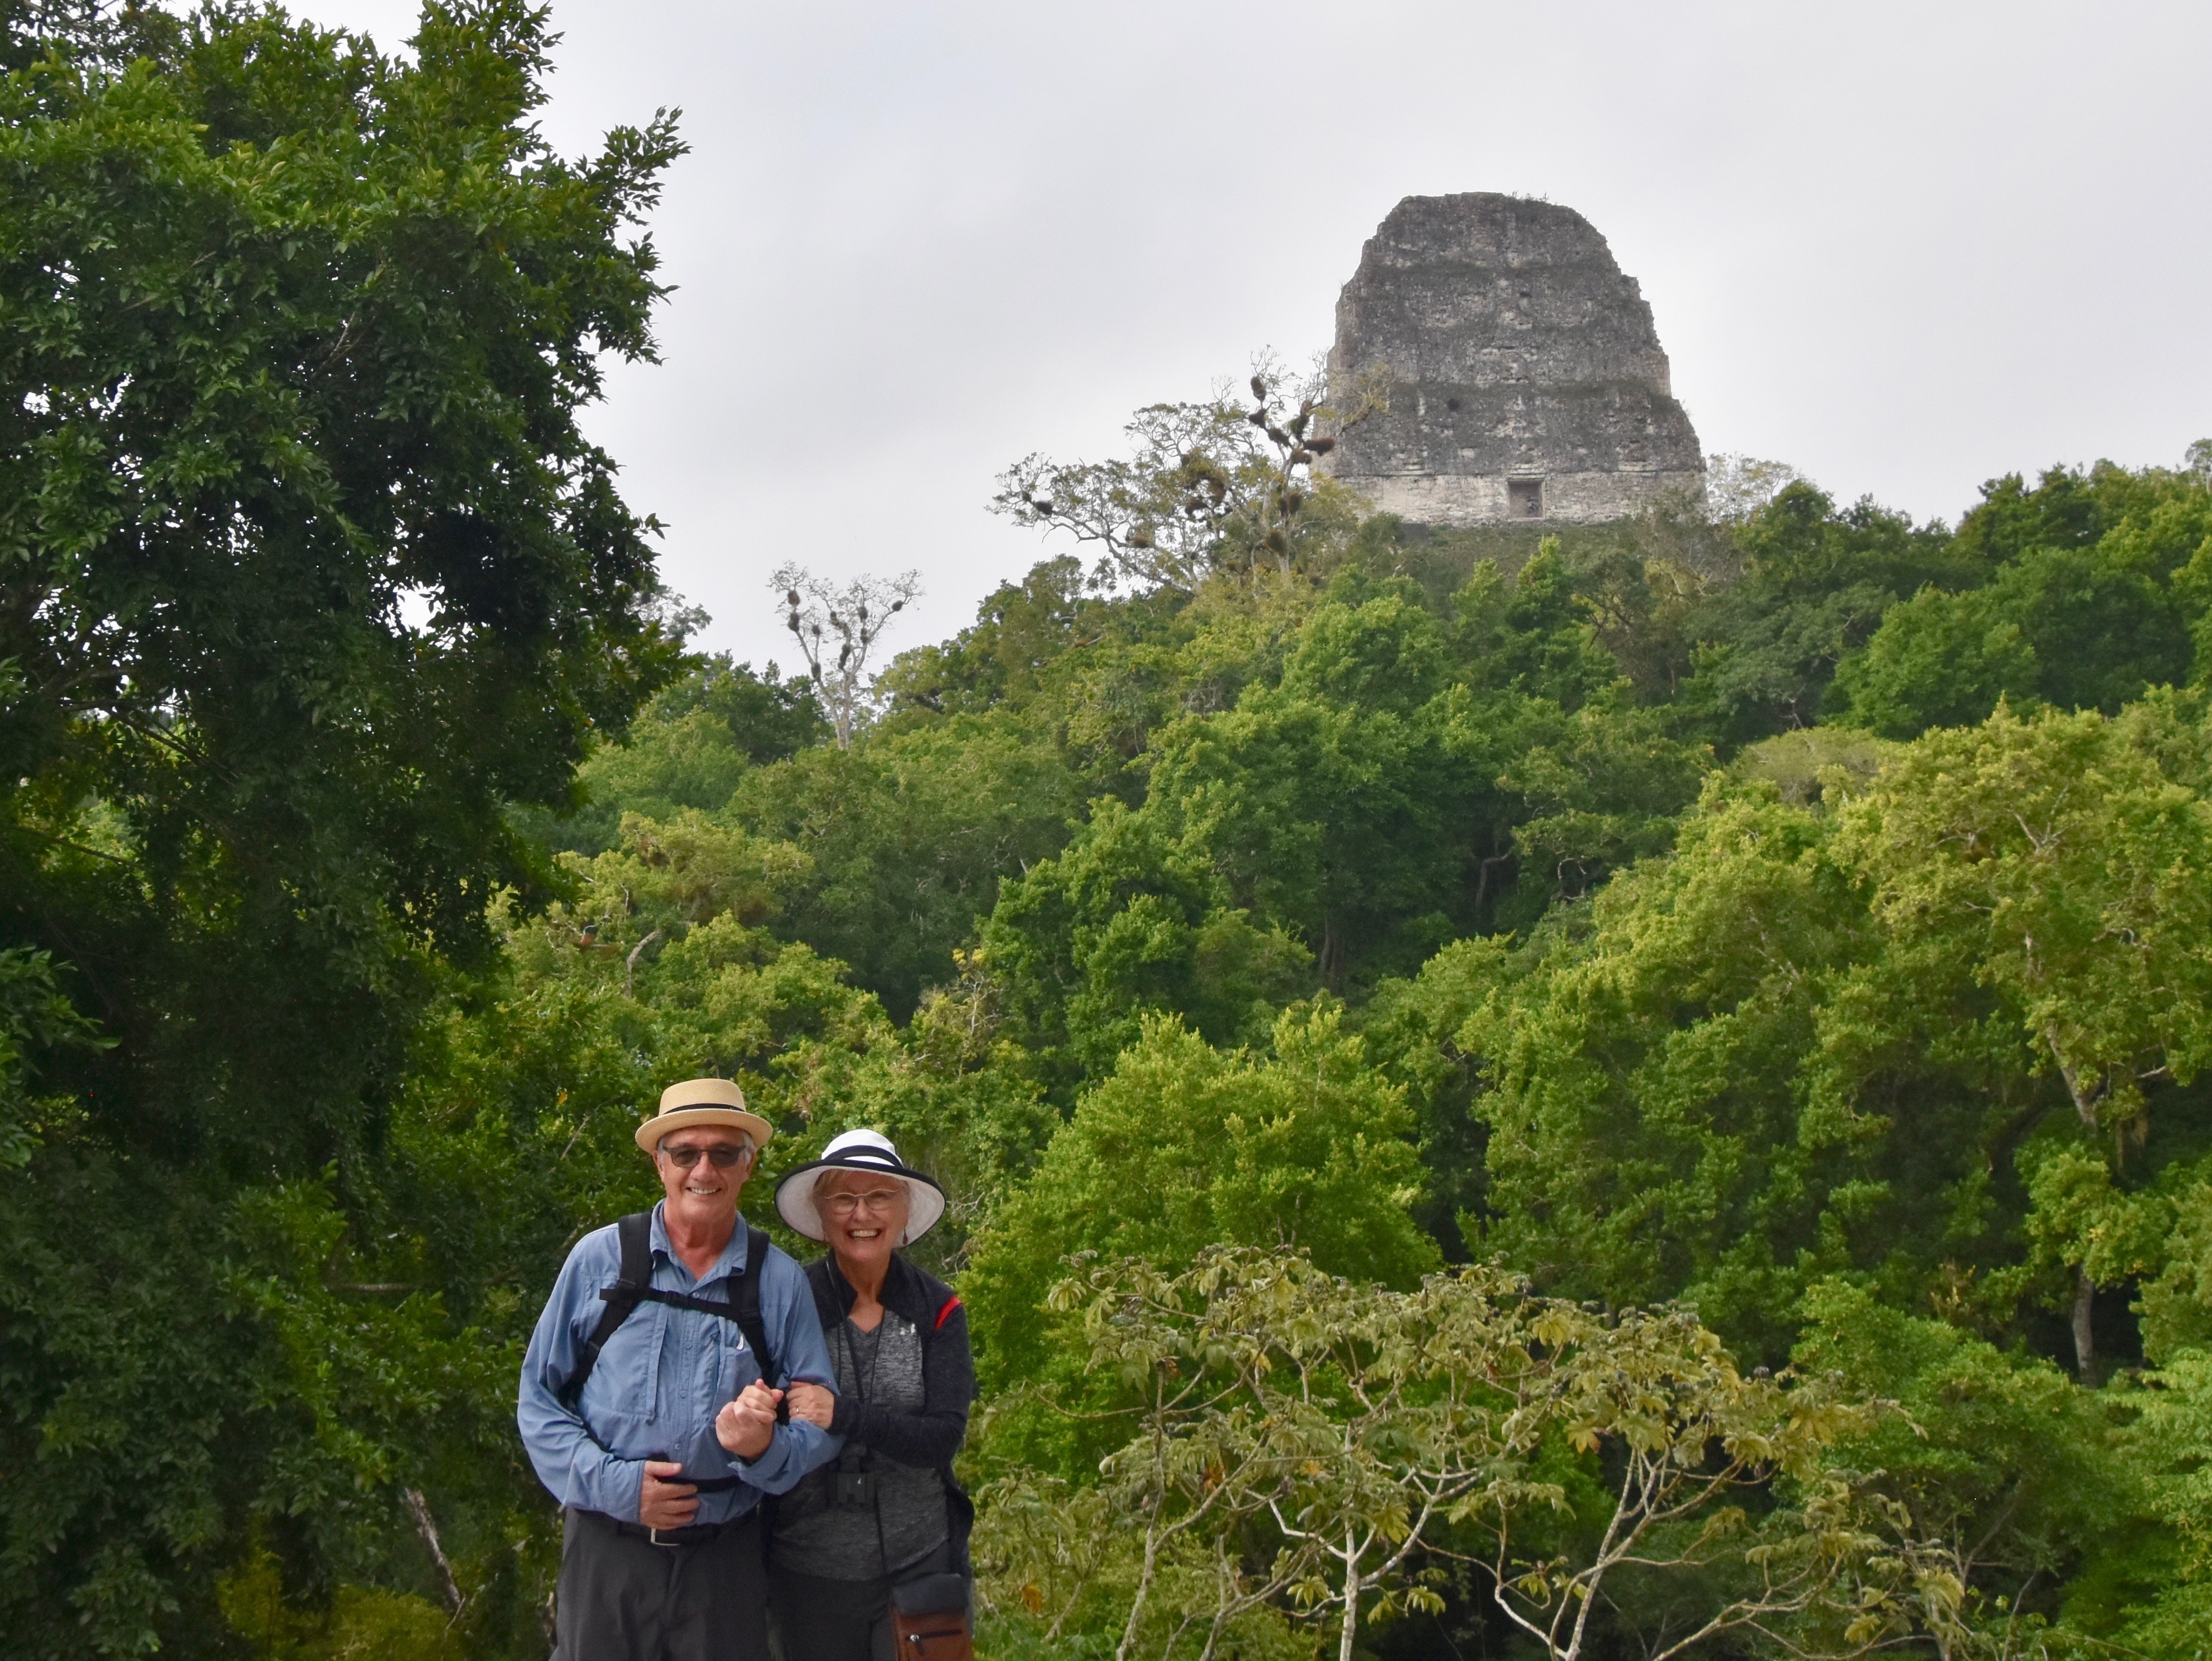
(1903,247)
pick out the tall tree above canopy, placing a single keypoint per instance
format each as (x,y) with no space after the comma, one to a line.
(304,563)
(306,568)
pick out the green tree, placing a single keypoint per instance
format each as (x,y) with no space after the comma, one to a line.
(1645,1106)
(34,1017)
(1815,584)
(1388,781)
(2014,1479)
(2093,594)
(2177,1305)
(2062,863)
(2079,630)
(2171,1577)
(909,834)
(1940,1026)
(2066,507)
(1301,1442)
(690,746)
(1185,1146)
(306,568)
(1123,925)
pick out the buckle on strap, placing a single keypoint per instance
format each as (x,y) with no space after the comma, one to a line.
(653,1535)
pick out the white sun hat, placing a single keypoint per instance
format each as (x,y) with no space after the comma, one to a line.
(858,1150)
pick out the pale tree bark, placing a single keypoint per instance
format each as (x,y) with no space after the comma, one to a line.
(2085,1101)
(836,627)
(448,1588)
(636,953)
(1351,1597)
(2085,1289)
(2085,1341)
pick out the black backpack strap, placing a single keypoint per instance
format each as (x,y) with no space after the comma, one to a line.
(635,1234)
(745,1304)
(634,1285)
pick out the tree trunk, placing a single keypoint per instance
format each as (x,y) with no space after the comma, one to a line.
(1351,1599)
(1329,960)
(2084,1102)
(2085,1343)
(448,1588)
(1144,1592)
(631,962)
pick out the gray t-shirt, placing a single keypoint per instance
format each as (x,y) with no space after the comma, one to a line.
(813,1534)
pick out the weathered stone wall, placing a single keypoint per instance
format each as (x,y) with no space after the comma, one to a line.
(1525,378)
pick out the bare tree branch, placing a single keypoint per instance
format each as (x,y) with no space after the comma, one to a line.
(836,626)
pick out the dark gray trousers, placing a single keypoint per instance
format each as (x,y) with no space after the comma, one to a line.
(818,1619)
(620,1597)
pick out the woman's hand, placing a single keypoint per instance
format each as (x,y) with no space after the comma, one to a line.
(811,1402)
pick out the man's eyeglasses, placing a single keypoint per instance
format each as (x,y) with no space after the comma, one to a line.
(724,1154)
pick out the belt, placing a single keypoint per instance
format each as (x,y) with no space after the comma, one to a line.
(692,1534)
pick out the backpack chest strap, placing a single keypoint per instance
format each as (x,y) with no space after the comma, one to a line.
(634,1285)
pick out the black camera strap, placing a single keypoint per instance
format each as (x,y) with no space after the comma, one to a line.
(862,1388)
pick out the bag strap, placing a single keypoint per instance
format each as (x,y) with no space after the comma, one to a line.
(635,1234)
(744,1306)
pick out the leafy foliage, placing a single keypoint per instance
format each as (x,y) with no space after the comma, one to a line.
(1305,1147)
(2073,624)
(1303,1448)
(306,568)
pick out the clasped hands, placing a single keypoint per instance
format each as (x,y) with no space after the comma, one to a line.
(747,1423)
(744,1427)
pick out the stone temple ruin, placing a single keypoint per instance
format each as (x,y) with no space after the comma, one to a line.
(1524,378)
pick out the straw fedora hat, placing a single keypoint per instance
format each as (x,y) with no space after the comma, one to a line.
(858,1150)
(703,1101)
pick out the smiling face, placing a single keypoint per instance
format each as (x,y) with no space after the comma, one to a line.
(703,1198)
(864,1216)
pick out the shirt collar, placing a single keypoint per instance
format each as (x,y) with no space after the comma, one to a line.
(731,1261)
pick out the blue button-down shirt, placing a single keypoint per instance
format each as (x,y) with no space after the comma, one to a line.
(662,1378)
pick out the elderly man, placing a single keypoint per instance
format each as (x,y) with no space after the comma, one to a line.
(649,1401)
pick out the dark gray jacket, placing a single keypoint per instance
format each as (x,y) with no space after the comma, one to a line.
(933,1435)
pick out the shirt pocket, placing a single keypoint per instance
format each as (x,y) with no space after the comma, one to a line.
(659,1371)
(740,1367)
(622,1399)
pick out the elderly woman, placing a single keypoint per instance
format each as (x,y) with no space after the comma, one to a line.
(889,1514)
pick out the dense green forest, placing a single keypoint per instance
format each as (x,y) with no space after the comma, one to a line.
(1634,1091)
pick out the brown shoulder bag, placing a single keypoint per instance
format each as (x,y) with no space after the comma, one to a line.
(929,1619)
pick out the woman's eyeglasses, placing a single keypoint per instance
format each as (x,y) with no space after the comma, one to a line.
(844,1205)
(724,1154)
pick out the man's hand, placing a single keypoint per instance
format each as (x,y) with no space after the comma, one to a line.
(662,1504)
(811,1402)
(745,1426)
